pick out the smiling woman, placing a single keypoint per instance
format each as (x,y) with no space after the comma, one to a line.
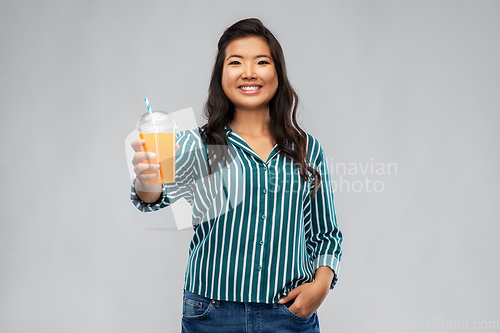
(251,81)
(246,51)
(266,247)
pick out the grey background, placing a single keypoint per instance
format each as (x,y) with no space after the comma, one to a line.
(408,82)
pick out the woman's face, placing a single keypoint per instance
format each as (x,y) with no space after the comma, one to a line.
(249,77)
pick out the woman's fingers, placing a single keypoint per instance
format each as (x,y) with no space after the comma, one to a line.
(140,160)
(137,144)
(145,177)
(141,156)
(139,168)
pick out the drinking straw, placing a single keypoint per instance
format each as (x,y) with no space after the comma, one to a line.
(156,131)
(150,112)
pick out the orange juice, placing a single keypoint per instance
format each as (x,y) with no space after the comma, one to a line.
(163,145)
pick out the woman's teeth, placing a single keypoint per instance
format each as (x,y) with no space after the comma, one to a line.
(250,88)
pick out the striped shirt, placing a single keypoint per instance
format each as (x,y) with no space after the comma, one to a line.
(258,232)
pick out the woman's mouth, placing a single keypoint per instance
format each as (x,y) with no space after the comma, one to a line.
(249,90)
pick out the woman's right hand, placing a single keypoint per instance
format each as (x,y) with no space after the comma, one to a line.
(141,156)
(146,192)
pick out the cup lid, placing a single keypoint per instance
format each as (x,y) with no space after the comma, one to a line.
(158,118)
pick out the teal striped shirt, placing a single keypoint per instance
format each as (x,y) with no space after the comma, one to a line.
(258,232)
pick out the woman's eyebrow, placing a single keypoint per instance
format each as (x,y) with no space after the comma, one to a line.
(258,56)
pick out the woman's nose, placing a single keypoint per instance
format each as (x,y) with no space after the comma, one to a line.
(248,72)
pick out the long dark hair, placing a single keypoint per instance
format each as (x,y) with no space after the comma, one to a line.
(219,110)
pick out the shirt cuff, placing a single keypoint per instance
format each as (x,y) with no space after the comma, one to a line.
(144,207)
(328,260)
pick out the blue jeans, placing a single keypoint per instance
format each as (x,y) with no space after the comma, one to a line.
(203,315)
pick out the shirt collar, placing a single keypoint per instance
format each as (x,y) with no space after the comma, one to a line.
(238,141)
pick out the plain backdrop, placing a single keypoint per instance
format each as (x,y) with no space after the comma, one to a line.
(403,96)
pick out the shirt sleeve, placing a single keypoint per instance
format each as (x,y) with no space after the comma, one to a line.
(323,235)
(182,187)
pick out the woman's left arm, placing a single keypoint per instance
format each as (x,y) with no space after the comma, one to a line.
(323,238)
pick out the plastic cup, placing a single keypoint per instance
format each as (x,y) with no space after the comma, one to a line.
(158,129)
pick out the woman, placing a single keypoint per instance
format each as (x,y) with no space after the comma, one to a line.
(266,247)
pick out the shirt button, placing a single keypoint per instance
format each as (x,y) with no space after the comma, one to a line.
(259,267)
(261,242)
(264,167)
(263,217)
(264,190)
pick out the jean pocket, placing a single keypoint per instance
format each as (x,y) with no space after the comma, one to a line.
(195,306)
(292,314)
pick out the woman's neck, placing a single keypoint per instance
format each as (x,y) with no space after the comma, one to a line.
(251,122)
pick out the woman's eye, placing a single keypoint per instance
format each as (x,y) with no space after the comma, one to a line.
(262,62)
